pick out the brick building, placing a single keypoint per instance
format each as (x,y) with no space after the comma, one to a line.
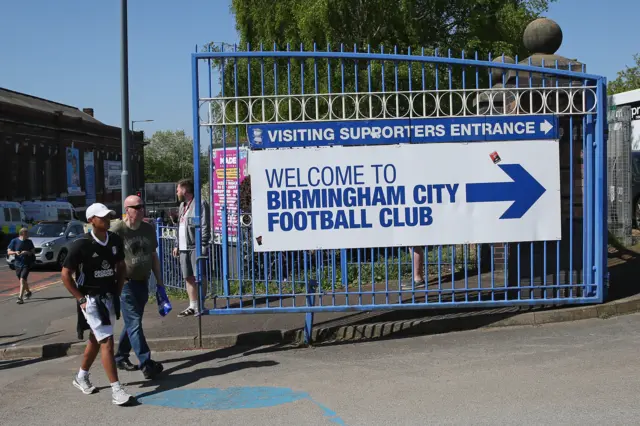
(35,135)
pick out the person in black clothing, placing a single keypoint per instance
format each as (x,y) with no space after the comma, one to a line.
(97,260)
(23,250)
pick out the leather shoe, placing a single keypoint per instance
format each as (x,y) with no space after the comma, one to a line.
(126,365)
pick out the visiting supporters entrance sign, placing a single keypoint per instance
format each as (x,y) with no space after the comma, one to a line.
(405,195)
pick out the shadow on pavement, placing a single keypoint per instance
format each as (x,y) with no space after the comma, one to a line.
(170,379)
(13,342)
(623,265)
(9,336)
(16,363)
(33,299)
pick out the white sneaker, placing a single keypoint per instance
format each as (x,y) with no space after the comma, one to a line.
(120,396)
(84,384)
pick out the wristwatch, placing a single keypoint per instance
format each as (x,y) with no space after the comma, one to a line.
(82,301)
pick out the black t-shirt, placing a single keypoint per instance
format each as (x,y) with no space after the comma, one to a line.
(95,263)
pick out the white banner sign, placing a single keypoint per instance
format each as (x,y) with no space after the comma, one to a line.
(405,195)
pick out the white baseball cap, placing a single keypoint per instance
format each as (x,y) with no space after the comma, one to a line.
(99,210)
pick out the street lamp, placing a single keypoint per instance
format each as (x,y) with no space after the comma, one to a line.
(138,121)
(124,86)
(133,136)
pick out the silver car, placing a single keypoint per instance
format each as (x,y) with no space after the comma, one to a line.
(50,240)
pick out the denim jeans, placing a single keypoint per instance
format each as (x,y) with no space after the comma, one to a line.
(134,297)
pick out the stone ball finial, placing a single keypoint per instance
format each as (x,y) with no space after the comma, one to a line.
(497,73)
(543,36)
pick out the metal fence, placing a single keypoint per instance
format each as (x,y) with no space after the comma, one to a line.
(234,89)
(619,174)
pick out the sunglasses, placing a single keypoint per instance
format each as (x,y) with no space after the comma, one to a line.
(136,207)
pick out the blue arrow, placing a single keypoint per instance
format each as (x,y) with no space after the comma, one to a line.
(524,191)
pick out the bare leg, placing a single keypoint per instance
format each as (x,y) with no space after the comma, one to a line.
(22,287)
(418,264)
(192,289)
(108,359)
(90,352)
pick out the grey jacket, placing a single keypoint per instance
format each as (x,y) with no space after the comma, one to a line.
(205,222)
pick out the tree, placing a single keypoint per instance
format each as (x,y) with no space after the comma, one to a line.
(484,26)
(628,79)
(169,157)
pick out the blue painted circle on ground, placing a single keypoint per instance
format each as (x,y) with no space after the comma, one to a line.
(224,399)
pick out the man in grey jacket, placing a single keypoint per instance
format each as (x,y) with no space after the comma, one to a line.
(186,239)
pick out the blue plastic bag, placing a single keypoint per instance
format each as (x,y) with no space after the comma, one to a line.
(164,305)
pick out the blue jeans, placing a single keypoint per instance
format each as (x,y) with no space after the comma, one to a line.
(134,297)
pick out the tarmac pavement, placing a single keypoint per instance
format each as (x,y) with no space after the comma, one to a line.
(50,317)
(577,373)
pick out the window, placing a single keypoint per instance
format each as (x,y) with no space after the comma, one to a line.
(7,215)
(64,214)
(34,179)
(15,215)
(14,176)
(48,178)
(77,229)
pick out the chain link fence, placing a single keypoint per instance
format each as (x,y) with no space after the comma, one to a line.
(619,174)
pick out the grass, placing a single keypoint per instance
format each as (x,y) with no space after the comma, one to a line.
(325,268)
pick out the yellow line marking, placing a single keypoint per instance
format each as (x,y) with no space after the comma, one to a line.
(35,290)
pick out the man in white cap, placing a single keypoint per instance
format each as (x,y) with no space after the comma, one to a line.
(97,260)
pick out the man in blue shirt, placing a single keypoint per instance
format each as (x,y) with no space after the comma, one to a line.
(24,251)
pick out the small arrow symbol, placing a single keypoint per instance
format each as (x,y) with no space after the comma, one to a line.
(546,127)
(524,191)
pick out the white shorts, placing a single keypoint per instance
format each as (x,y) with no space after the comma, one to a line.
(92,316)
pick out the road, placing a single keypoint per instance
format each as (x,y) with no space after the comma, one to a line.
(39,279)
(32,321)
(582,373)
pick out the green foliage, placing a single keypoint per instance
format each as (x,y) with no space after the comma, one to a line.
(397,268)
(169,157)
(628,79)
(417,27)
(485,25)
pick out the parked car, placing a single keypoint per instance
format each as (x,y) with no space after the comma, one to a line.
(50,239)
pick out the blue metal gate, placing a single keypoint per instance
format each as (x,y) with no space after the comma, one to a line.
(235,89)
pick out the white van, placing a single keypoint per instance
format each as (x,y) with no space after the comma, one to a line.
(37,211)
(12,219)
